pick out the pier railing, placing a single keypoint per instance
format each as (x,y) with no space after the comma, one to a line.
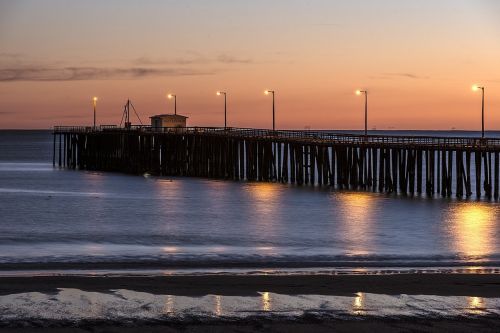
(302,135)
(381,163)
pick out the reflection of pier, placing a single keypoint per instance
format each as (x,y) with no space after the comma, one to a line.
(390,164)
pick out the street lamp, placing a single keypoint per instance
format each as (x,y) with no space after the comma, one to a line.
(225,106)
(95,104)
(170,96)
(365,92)
(476,88)
(267,92)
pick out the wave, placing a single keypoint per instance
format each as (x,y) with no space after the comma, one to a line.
(25,166)
(51,192)
(223,261)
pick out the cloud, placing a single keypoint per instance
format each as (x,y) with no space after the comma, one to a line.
(403,75)
(41,73)
(227,59)
(10,55)
(15,67)
(188,60)
(192,58)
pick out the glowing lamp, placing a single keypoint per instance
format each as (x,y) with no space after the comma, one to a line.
(476,87)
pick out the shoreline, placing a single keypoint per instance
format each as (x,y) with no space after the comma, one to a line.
(480,285)
(417,264)
(255,271)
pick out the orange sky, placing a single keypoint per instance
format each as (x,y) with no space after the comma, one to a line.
(418,60)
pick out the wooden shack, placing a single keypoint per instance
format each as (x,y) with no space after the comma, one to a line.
(168,120)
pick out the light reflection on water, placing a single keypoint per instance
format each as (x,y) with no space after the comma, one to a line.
(265,197)
(170,249)
(266,301)
(264,212)
(356,222)
(476,305)
(358,304)
(169,304)
(218,305)
(472,228)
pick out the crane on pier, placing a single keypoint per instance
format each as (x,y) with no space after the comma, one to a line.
(126,115)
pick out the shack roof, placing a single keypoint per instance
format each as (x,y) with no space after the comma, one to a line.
(168,115)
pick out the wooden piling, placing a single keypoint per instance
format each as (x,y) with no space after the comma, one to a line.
(358,164)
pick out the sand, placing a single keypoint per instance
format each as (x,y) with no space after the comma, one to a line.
(480,285)
(300,326)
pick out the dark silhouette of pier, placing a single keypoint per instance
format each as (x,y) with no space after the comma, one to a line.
(410,165)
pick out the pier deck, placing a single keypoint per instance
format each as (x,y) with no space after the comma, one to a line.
(382,163)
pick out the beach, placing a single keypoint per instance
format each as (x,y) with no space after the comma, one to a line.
(480,285)
(275,316)
(304,325)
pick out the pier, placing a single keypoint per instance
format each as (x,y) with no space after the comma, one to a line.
(408,165)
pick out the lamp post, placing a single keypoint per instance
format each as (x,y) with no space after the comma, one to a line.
(476,88)
(170,96)
(267,92)
(225,106)
(95,105)
(365,92)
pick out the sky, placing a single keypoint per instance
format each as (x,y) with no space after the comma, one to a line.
(417,59)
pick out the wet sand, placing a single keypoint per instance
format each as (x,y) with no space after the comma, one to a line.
(480,285)
(299,326)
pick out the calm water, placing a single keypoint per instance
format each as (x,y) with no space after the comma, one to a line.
(51,218)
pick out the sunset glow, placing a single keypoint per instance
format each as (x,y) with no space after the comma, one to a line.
(314,53)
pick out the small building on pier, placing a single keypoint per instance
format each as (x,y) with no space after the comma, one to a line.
(168,120)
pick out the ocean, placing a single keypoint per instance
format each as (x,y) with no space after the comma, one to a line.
(56,220)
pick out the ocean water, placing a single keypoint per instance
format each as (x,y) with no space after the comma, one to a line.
(56,219)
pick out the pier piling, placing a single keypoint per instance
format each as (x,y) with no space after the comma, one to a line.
(387,164)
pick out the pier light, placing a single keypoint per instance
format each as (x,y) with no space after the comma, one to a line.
(170,96)
(359,93)
(219,93)
(477,88)
(267,92)
(94,100)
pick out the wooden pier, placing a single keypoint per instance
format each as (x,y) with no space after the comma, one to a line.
(409,165)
